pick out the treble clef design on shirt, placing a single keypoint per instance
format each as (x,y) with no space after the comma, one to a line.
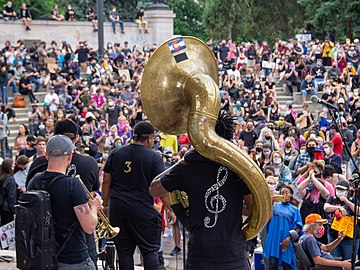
(216,203)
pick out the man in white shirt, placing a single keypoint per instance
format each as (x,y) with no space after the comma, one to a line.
(52,99)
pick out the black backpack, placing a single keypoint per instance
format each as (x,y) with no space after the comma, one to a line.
(36,246)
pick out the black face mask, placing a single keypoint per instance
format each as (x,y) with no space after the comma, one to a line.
(318,175)
(233,68)
(258,149)
(310,150)
(267,137)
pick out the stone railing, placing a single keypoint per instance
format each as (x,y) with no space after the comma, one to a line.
(160,19)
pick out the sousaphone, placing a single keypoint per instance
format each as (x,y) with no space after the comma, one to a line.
(179,93)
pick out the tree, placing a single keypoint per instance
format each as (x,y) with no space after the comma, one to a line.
(220,18)
(188,20)
(341,17)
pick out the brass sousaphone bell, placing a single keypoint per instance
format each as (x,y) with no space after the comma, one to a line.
(179,93)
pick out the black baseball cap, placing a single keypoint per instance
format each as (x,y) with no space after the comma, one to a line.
(66,127)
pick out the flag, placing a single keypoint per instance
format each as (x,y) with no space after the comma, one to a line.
(177,45)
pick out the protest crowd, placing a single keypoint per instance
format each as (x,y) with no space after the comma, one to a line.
(300,153)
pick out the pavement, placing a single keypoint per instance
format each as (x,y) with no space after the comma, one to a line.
(171,262)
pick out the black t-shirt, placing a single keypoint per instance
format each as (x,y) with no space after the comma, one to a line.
(216,200)
(139,15)
(223,50)
(336,202)
(319,72)
(113,115)
(249,138)
(84,166)
(27,152)
(8,9)
(66,193)
(82,54)
(132,169)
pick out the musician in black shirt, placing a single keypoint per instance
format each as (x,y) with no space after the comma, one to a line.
(84,166)
(216,196)
(129,171)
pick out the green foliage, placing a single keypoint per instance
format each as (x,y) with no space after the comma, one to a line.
(188,20)
(332,16)
(220,17)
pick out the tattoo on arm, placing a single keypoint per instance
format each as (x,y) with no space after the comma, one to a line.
(84,208)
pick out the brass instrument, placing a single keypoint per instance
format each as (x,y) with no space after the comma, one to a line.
(179,93)
(103,227)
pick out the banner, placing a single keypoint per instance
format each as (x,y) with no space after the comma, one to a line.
(7,234)
(345,224)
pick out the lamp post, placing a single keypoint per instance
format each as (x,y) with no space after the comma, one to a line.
(100,15)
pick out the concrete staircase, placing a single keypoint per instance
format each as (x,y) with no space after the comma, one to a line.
(283,95)
(21,114)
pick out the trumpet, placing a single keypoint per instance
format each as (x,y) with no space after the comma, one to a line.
(103,227)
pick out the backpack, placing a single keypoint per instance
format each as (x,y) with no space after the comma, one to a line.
(36,246)
(19,102)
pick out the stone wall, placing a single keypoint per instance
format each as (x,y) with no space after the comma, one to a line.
(160,29)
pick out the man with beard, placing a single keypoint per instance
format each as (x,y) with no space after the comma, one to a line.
(84,166)
(317,252)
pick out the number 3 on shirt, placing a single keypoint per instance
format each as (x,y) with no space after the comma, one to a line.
(128,166)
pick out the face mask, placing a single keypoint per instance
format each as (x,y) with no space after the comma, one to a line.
(257,86)
(85,138)
(105,156)
(313,136)
(308,81)
(277,160)
(281,123)
(327,151)
(111,104)
(117,145)
(311,150)
(233,68)
(267,153)
(126,111)
(258,149)
(267,137)
(238,106)
(41,126)
(340,193)
(302,151)
(256,94)
(319,232)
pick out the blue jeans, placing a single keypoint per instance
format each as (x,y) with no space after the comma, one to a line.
(3,147)
(343,250)
(36,82)
(317,81)
(304,93)
(88,264)
(113,23)
(267,72)
(4,93)
(13,85)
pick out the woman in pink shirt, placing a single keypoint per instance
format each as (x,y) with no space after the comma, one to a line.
(314,191)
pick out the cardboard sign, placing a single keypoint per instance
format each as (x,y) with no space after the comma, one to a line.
(345,224)
(7,234)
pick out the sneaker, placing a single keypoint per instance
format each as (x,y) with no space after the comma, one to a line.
(122,32)
(175,251)
(147,32)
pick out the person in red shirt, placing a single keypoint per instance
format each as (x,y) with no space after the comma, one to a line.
(336,140)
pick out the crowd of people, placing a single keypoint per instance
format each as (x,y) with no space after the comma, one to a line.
(304,160)
(24,15)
